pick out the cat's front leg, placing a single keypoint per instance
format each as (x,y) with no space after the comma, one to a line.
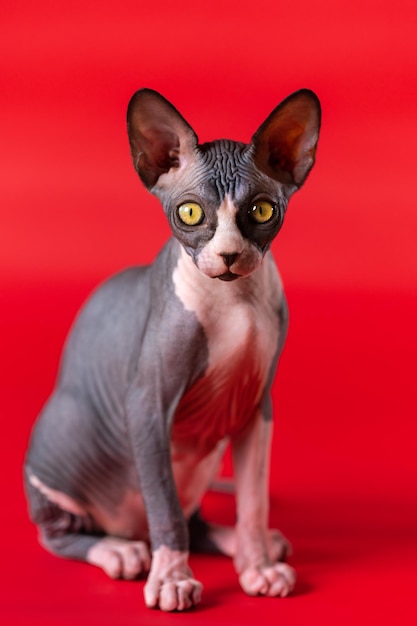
(258,573)
(170,585)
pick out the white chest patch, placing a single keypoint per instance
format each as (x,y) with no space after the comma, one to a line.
(241,324)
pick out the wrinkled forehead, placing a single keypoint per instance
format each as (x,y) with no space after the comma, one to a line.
(221,168)
(227,166)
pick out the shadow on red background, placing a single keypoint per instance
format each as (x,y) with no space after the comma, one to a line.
(73,212)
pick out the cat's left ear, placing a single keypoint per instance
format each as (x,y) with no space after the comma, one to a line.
(284,147)
(159,137)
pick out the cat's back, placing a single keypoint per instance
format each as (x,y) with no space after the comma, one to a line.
(105,330)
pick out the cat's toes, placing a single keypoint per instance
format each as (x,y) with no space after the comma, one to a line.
(171,595)
(170,585)
(276,580)
(120,558)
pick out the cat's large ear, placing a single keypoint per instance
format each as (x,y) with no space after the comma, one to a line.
(285,145)
(159,137)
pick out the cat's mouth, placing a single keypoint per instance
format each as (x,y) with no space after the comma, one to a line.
(228,276)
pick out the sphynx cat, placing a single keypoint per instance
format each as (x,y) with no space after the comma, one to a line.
(168,363)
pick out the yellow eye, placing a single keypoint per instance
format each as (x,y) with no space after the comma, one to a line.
(191,213)
(262,211)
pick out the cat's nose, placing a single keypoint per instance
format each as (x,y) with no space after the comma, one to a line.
(229,259)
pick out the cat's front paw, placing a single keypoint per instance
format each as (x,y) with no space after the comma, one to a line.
(170,585)
(277,580)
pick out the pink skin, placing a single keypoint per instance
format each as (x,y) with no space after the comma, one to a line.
(120,558)
(171,585)
(258,574)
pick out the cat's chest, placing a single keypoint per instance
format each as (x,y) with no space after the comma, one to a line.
(241,341)
(242,334)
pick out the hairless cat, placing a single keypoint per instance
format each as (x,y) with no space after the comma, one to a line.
(168,363)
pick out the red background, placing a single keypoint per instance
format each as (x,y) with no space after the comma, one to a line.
(72,212)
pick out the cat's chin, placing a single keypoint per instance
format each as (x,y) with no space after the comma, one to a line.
(228,276)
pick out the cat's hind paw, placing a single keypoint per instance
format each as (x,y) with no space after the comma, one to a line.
(120,558)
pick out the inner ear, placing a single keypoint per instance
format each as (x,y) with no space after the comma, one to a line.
(159,137)
(285,145)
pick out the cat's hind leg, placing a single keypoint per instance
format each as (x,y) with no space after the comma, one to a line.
(69,531)
(216,539)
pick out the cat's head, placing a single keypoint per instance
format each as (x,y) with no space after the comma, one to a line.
(225,201)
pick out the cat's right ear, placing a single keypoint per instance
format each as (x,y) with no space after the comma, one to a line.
(159,137)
